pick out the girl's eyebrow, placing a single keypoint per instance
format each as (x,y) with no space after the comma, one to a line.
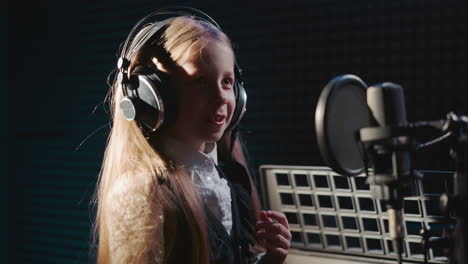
(230,73)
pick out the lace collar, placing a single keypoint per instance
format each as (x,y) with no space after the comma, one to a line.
(184,154)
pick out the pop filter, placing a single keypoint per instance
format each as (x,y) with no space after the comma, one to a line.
(341,111)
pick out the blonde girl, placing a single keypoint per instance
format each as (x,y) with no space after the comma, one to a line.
(182,193)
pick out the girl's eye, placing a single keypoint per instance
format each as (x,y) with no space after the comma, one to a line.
(227,81)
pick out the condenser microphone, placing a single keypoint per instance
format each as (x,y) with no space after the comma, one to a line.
(387,109)
(391,179)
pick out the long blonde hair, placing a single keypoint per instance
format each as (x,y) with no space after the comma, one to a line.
(129,154)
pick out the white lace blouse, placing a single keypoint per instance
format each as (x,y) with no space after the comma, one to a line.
(214,190)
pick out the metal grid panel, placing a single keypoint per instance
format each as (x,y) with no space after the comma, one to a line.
(336,214)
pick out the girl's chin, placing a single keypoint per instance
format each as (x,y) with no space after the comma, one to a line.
(214,137)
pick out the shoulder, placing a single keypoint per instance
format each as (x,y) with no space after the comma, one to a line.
(131,194)
(125,184)
(134,220)
(130,206)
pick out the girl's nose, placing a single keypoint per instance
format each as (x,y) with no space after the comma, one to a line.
(221,94)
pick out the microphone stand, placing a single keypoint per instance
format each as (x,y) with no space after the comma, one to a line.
(391,179)
(456,129)
(458,126)
(391,182)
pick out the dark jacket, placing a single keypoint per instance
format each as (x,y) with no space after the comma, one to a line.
(234,248)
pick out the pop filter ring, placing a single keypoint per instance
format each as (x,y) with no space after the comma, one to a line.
(323,109)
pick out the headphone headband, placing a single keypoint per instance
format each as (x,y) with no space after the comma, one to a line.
(168,13)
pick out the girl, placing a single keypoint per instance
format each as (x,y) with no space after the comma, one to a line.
(180,193)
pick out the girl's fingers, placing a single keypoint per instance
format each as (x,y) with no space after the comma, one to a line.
(279,253)
(273,232)
(274,228)
(274,240)
(280,217)
(264,216)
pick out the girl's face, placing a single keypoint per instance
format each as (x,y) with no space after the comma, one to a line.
(205,94)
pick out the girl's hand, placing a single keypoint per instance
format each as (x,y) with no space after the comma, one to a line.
(273,231)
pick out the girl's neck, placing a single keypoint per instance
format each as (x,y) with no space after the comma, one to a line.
(156,138)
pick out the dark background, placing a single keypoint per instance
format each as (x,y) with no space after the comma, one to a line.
(58,55)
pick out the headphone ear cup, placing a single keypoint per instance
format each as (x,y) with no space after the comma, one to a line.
(241,105)
(144,102)
(128,107)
